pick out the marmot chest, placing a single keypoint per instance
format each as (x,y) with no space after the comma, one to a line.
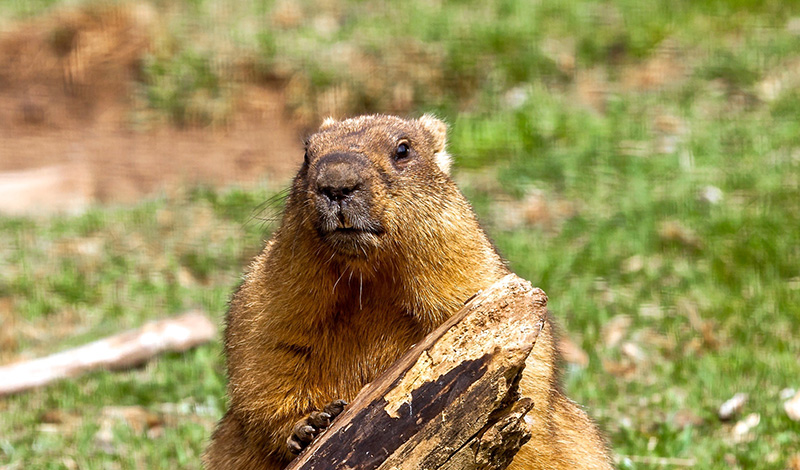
(351,347)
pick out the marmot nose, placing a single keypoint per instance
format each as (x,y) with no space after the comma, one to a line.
(338,179)
(338,192)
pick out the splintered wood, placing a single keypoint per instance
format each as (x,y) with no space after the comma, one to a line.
(120,351)
(451,402)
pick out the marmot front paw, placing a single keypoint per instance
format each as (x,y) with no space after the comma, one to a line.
(308,428)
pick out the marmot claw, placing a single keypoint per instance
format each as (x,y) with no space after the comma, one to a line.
(308,428)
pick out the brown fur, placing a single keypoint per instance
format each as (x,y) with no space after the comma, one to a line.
(321,313)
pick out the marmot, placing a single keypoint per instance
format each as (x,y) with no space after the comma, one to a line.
(376,248)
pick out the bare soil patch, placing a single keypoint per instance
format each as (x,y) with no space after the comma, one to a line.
(66,94)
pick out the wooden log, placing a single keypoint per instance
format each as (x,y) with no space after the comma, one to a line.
(451,402)
(120,351)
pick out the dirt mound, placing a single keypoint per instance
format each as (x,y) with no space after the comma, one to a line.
(66,93)
(73,68)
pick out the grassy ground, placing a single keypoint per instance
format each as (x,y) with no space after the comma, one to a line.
(639,163)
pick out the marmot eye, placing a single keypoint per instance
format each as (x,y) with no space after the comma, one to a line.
(402,152)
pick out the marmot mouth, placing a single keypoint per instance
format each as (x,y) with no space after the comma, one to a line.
(344,226)
(356,235)
(353,242)
(354,230)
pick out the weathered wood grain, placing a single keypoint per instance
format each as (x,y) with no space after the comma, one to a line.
(450,402)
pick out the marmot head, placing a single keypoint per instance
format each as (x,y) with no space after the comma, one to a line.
(365,180)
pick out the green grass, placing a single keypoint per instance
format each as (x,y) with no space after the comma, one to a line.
(74,279)
(711,288)
(739,270)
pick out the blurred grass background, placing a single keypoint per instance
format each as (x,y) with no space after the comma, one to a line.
(639,161)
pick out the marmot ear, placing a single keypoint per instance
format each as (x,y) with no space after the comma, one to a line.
(438,130)
(328,122)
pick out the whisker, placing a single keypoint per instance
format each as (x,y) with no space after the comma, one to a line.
(272,206)
(337,282)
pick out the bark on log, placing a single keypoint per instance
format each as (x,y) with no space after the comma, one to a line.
(120,351)
(451,402)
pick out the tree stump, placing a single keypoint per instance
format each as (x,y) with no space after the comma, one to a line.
(451,402)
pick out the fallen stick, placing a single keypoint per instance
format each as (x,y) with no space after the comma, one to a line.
(663,461)
(451,402)
(116,352)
